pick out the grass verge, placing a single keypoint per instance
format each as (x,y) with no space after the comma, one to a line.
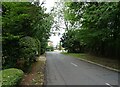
(112,63)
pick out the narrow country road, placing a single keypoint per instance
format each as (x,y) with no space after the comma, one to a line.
(66,70)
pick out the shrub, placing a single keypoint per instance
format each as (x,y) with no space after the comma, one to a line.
(50,48)
(10,52)
(28,50)
(11,77)
(38,46)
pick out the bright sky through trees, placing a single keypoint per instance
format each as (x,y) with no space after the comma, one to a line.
(49,4)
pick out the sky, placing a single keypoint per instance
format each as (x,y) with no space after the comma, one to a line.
(48,4)
(55,39)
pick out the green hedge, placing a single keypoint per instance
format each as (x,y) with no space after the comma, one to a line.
(50,48)
(11,77)
(38,46)
(29,48)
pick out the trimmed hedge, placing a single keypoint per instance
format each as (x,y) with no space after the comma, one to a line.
(29,48)
(11,77)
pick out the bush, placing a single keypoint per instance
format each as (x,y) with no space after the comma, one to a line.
(38,46)
(28,50)
(10,52)
(11,77)
(50,48)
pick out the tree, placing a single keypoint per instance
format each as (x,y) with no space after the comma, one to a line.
(20,21)
(98,28)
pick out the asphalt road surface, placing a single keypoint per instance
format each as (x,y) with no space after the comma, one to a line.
(65,70)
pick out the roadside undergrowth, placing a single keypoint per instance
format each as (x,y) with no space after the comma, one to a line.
(36,76)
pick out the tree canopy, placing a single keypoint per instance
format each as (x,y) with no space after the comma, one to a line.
(94,28)
(25,28)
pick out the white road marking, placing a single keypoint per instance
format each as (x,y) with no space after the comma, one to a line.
(108,84)
(74,64)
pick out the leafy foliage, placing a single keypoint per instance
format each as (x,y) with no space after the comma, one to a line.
(50,48)
(28,49)
(25,28)
(11,77)
(99,30)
